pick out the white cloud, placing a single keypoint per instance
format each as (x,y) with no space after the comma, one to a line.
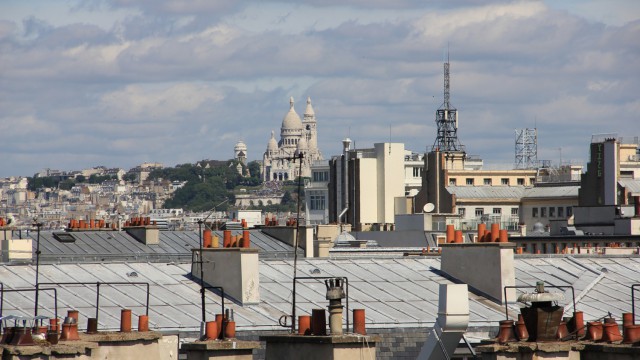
(152,104)
(178,81)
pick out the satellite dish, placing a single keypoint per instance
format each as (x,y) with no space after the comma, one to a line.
(428,207)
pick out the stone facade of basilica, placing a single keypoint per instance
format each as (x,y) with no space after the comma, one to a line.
(296,136)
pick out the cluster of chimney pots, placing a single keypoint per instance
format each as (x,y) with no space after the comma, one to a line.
(228,240)
(81,224)
(543,322)
(273,221)
(494,235)
(65,331)
(222,328)
(316,323)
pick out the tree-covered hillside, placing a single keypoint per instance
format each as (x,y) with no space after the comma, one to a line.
(209,183)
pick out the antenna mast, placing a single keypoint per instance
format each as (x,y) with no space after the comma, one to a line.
(447,120)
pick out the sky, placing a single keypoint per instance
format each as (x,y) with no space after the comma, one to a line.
(116,83)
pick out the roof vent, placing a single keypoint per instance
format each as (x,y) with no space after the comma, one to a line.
(64,237)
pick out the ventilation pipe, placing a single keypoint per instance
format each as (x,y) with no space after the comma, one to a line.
(451,324)
(335,294)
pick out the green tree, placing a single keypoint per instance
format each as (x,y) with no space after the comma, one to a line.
(66,184)
(286,198)
(129,177)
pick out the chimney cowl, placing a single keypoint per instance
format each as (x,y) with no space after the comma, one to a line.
(335,289)
(540,295)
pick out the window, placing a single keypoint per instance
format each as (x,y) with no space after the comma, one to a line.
(417,172)
(487,181)
(569,211)
(560,212)
(461,211)
(504,181)
(452,182)
(514,211)
(497,211)
(520,181)
(479,212)
(543,212)
(320,176)
(534,212)
(469,181)
(552,211)
(317,202)
(532,181)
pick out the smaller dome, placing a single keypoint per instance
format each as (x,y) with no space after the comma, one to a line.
(240,146)
(309,111)
(343,238)
(272,145)
(291,120)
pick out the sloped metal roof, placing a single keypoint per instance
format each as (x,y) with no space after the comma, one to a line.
(633,185)
(486,192)
(96,246)
(551,191)
(396,292)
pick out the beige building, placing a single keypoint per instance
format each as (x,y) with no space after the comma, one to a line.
(443,170)
(364,183)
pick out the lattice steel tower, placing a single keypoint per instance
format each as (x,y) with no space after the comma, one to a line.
(526,148)
(447,121)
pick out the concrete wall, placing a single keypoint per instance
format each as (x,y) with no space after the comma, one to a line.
(390,164)
(307,351)
(16,249)
(123,346)
(490,271)
(627,226)
(148,235)
(369,190)
(422,221)
(287,235)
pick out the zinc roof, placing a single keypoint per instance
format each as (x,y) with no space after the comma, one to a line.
(551,192)
(99,246)
(396,292)
(486,192)
(632,185)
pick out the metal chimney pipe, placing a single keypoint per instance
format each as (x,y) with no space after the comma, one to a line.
(335,294)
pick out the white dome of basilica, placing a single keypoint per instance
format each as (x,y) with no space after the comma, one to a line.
(291,121)
(240,146)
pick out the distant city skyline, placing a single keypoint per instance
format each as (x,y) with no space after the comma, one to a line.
(116,83)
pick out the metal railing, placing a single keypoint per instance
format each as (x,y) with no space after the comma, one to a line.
(55,298)
(221,298)
(633,301)
(97,284)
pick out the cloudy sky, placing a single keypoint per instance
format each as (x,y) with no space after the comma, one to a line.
(119,82)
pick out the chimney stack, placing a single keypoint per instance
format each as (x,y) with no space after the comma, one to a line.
(490,271)
(233,268)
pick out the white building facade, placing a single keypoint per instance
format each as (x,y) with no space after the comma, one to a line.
(296,136)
